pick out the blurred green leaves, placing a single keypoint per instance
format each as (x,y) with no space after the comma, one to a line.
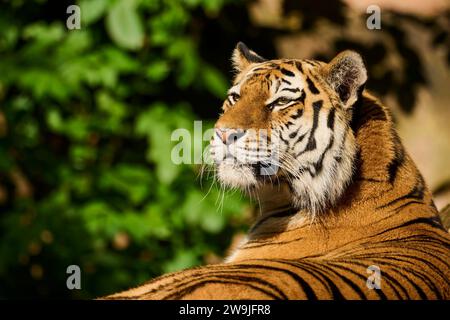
(92,10)
(215,82)
(86,174)
(124,25)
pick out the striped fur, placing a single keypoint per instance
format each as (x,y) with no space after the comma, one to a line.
(346,195)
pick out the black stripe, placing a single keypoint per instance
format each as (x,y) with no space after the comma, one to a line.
(312,141)
(393,167)
(311,86)
(298,264)
(416,273)
(294,90)
(308,290)
(398,160)
(311,145)
(215,271)
(428,254)
(335,292)
(298,64)
(330,120)
(246,279)
(297,115)
(363,278)
(258,244)
(309,62)
(197,274)
(285,213)
(400,269)
(400,241)
(384,276)
(432,222)
(346,280)
(437,240)
(319,164)
(417,193)
(364,111)
(310,295)
(301,98)
(262,68)
(272,233)
(288,124)
(287,72)
(179,294)
(284,140)
(299,139)
(411,202)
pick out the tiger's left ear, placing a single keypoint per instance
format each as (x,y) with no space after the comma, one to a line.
(347,75)
(243,57)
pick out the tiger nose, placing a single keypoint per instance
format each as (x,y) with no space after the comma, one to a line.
(229,136)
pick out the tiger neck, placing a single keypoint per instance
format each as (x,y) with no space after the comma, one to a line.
(385,174)
(385,183)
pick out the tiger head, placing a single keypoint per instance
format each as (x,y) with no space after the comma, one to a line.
(289,120)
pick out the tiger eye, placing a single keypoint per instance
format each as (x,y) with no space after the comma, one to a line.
(233,97)
(282,101)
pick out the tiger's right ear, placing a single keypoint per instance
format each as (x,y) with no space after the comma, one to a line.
(347,75)
(243,57)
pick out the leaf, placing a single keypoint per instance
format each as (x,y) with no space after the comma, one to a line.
(157,70)
(183,259)
(98,217)
(160,153)
(154,125)
(124,25)
(6,162)
(212,7)
(132,181)
(215,82)
(110,106)
(92,10)
(157,221)
(44,34)
(81,154)
(54,120)
(199,212)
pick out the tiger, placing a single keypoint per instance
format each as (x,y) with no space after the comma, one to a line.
(344,211)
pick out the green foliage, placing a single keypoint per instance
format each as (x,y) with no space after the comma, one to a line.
(124,25)
(86,176)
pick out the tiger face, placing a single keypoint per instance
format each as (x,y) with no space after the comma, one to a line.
(288,121)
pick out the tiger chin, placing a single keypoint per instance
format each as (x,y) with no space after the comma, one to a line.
(308,141)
